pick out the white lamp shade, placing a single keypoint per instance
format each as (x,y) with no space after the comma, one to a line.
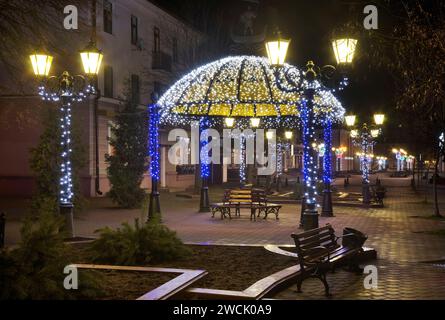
(41,64)
(344,50)
(276,51)
(91,61)
(375,133)
(379,119)
(229,122)
(350,120)
(255,122)
(269,134)
(354,133)
(288,134)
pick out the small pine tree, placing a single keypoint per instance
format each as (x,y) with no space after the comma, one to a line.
(45,162)
(127,163)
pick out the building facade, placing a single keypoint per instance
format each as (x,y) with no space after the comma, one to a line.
(145,50)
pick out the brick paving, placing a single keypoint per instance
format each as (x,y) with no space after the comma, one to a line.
(393,231)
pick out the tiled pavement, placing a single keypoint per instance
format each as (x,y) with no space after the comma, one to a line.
(393,232)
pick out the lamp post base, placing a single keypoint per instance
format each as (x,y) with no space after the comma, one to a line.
(326,210)
(310,218)
(366,195)
(154,207)
(204,205)
(66,210)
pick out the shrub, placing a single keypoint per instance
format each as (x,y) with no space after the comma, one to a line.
(127,163)
(45,162)
(34,270)
(148,243)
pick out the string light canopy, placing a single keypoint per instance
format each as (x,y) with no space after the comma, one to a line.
(242,87)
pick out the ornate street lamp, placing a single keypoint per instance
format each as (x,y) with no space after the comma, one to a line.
(68,89)
(365,139)
(344,50)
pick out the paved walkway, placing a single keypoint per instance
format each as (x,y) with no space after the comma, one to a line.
(396,232)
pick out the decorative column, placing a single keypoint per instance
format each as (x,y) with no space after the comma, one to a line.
(310,215)
(153,151)
(204,205)
(242,164)
(327,169)
(66,193)
(365,166)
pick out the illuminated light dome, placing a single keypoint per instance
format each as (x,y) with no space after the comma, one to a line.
(240,87)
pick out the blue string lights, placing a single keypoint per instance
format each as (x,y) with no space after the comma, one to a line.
(204,124)
(327,160)
(153,141)
(309,165)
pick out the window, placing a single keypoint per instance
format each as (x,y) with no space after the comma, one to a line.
(108,82)
(135,88)
(111,136)
(175,50)
(134,30)
(108,17)
(157,39)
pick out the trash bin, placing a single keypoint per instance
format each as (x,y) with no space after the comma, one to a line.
(356,240)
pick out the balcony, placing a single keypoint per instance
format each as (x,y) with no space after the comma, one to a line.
(161,61)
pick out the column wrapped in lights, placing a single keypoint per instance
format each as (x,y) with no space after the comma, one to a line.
(204,205)
(327,168)
(242,164)
(153,152)
(310,217)
(66,180)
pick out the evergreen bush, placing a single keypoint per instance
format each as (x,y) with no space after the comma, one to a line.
(151,242)
(127,163)
(34,270)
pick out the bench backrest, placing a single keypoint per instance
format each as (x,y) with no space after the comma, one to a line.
(305,243)
(244,196)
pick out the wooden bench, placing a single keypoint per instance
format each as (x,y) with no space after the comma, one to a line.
(318,252)
(253,199)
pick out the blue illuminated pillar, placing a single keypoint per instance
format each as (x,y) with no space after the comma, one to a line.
(153,151)
(310,214)
(327,169)
(204,205)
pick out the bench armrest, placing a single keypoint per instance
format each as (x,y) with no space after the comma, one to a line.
(343,236)
(318,248)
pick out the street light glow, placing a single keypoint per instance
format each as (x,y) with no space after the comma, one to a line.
(288,135)
(277,50)
(350,120)
(229,122)
(41,63)
(344,50)
(255,122)
(379,119)
(91,59)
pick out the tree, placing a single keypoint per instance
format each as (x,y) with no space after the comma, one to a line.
(45,162)
(410,46)
(127,163)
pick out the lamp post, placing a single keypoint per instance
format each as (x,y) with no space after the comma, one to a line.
(312,78)
(204,204)
(364,138)
(67,89)
(154,208)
